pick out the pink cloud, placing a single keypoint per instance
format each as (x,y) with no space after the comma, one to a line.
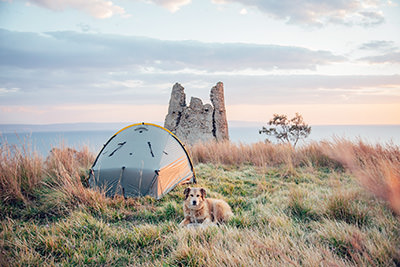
(97,8)
(172,5)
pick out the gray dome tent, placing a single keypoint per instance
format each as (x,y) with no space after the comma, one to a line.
(142,159)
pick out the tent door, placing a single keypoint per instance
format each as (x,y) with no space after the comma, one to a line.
(153,186)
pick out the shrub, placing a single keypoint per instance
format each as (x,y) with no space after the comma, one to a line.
(287,131)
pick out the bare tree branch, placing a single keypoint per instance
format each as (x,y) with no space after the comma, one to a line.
(285,130)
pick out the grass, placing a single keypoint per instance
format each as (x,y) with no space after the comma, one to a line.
(325,204)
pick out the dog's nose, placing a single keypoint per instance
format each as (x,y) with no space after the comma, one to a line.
(194,202)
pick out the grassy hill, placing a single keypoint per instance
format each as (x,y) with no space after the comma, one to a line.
(325,204)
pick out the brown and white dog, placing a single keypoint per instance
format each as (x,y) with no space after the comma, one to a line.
(201,210)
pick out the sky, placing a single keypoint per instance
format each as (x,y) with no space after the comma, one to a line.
(68,61)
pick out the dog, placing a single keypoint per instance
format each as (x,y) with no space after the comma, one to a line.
(201,210)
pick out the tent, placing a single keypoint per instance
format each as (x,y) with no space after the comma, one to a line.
(142,159)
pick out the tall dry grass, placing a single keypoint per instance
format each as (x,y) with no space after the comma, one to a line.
(68,171)
(21,170)
(261,154)
(63,175)
(377,167)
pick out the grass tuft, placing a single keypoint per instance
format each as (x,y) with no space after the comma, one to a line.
(344,207)
(299,209)
(21,171)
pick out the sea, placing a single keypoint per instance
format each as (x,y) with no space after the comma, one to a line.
(43,141)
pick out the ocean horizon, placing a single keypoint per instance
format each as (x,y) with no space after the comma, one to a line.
(53,136)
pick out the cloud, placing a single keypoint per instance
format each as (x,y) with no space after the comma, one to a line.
(317,12)
(369,18)
(85,112)
(377,45)
(391,57)
(97,8)
(86,28)
(131,86)
(4,91)
(84,50)
(313,89)
(172,5)
(69,68)
(389,52)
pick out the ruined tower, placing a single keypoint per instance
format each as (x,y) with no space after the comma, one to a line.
(197,122)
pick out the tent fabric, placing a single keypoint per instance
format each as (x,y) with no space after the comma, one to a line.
(142,159)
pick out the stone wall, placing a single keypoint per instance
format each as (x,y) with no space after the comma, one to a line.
(197,122)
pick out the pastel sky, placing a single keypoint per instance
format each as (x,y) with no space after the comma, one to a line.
(333,61)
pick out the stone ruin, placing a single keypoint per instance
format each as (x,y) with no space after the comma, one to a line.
(197,122)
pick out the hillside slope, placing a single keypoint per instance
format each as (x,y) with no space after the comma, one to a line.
(290,208)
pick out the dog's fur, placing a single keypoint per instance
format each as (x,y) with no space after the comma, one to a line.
(201,210)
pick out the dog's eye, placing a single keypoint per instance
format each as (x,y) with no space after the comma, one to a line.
(191,195)
(197,195)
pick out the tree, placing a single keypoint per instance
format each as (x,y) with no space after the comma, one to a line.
(285,130)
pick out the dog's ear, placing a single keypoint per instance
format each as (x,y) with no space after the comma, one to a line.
(203,192)
(186,192)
